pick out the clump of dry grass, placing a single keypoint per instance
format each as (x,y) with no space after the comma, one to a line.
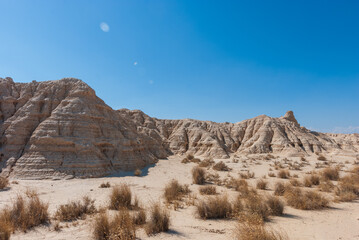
(120,197)
(221,166)
(208,190)
(262,184)
(120,227)
(271,174)
(190,158)
(279,189)
(295,182)
(330,173)
(5,230)
(275,205)
(246,175)
(25,213)
(159,220)
(198,175)
(322,158)
(75,209)
(105,185)
(214,208)
(255,205)
(139,217)
(137,172)
(307,182)
(4,182)
(283,174)
(326,186)
(174,191)
(206,162)
(247,230)
(305,201)
(348,188)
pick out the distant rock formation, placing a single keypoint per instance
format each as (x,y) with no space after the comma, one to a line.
(58,129)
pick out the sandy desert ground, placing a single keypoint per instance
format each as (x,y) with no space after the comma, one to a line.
(339,221)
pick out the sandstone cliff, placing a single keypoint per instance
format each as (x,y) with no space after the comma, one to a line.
(62,129)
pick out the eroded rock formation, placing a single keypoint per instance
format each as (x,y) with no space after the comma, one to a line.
(62,129)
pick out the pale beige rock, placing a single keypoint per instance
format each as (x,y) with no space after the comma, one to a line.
(58,129)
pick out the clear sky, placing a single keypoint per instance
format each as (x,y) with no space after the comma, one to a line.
(208,60)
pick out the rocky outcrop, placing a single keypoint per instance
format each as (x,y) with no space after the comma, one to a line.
(261,134)
(58,129)
(61,128)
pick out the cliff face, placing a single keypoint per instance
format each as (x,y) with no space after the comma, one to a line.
(62,129)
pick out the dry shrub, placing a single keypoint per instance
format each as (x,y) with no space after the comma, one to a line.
(190,158)
(305,201)
(348,188)
(198,175)
(326,186)
(246,175)
(5,230)
(249,231)
(271,174)
(279,189)
(355,170)
(295,182)
(4,182)
(254,204)
(214,208)
(137,172)
(330,173)
(159,220)
(206,162)
(208,190)
(120,227)
(262,184)
(315,179)
(322,158)
(175,191)
(120,197)
(75,209)
(139,217)
(275,205)
(105,185)
(221,166)
(307,182)
(283,174)
(25,213)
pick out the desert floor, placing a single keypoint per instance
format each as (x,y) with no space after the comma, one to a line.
(340,221)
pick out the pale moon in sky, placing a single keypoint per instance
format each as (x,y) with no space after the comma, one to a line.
(104,27)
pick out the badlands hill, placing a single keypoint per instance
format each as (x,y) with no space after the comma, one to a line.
(57,129)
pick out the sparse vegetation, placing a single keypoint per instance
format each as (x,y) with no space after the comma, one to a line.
(283,174)
(255,205)
(174,191)
(75,209)
(220,166)
(247,230)
(105,185)
(275,205)
(5,230)
(206,162)
(322,158)
(348,188)
(262,184)
(271,174)
(25,213)
(137,172)
(326,186)
(139,217)
(306,201)
(214,208)
(198,175)
(246,175)
(330,173)
(4,182)
(279,189)
(120,197)
(295,182)
(208,190)
(120,227)
(159,220)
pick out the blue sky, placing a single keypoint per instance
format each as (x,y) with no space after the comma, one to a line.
(208,60)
